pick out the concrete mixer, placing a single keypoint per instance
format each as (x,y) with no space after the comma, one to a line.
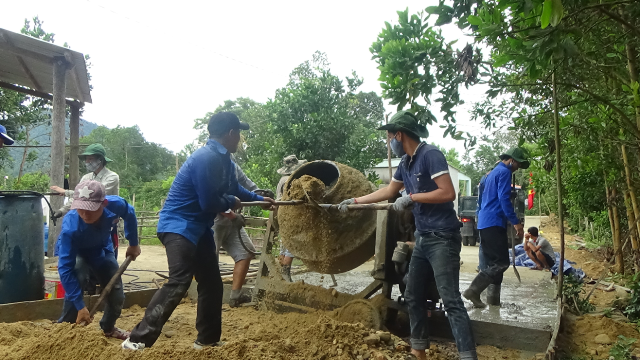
(328,242)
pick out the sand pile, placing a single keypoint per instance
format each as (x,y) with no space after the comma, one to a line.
(250,334)
(328,242)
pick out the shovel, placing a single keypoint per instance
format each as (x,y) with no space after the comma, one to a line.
(110,285)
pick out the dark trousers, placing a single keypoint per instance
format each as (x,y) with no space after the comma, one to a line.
(439,251)
(495,251)
(185,261)
(102,269)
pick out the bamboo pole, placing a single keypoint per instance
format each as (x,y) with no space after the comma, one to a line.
(631,220)
(559,183)
(632,192)
(616,235)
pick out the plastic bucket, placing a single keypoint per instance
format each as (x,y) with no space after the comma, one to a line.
(52,286)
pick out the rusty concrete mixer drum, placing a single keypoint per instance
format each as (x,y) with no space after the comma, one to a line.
(327,241)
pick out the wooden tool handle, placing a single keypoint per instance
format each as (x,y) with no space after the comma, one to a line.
(279,203)
(324,206)
(360,206)
(112,282)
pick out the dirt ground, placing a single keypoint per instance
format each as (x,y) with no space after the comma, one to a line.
(578,337)
(248,333)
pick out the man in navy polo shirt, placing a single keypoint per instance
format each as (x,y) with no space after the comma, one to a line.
(205,186)
(496,209)
(424,173)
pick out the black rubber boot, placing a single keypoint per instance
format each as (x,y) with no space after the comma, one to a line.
(493,294)
(286,272)
(476,288)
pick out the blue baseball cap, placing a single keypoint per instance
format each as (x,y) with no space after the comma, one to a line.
(5,138)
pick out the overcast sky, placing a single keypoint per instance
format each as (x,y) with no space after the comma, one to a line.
(160,65)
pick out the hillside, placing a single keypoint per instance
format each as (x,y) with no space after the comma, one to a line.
(42,134)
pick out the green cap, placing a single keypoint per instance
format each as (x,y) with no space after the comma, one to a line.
(95,149)
(405,121)
(518,154)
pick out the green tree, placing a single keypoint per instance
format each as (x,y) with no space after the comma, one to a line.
(416,64)
(136,160)
(316,116)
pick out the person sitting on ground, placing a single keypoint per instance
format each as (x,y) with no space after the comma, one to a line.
(85,245)
(539,249)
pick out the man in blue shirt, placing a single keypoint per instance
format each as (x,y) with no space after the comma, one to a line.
(85,245)
(205,186)
(4,138)
(424,173)
(492,222)
(481,262)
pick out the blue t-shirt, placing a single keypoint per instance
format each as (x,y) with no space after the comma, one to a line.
(91,241)
(417,173)
(496,199)
(205,186)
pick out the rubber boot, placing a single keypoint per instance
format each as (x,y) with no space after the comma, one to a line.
(493,294)
(476,288)
(286,272)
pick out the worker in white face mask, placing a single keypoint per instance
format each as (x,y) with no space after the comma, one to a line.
(95,160)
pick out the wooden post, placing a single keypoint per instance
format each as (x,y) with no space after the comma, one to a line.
(56,173)
(559,184)
(74,150)
(177,165)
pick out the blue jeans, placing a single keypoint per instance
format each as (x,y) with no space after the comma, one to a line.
(441,251)
(104,269)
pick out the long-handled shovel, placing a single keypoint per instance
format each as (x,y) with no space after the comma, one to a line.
(110,285)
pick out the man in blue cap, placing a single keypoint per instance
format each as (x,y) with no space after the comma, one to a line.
(205,186)
(496,209)
(424,173)
(4,138)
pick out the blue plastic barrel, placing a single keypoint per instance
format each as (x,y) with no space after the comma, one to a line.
(21,244)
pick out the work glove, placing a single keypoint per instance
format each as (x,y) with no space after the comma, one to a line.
(57,214)
(265,193)
(403,203)
(343,205)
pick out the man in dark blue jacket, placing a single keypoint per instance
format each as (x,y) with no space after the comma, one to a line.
(496,209)
(85,245)
(205,186)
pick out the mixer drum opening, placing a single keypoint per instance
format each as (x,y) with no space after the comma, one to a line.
(328,243)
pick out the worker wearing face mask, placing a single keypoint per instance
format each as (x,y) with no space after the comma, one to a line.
(424,173)
(95,160)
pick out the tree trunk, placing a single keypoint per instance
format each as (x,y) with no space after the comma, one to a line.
(632,194)
(24,154)
(617,251)
(631,219)
(609,208)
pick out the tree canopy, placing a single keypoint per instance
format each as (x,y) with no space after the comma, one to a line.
(316,116)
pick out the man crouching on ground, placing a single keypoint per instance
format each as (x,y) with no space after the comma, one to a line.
(85,245)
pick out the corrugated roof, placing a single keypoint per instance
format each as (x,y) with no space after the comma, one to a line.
(28,62)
